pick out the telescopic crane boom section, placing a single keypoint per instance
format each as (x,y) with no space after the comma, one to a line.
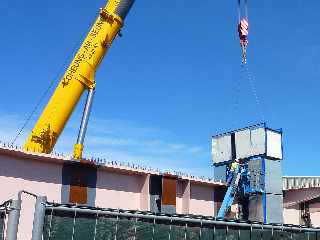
(80,76)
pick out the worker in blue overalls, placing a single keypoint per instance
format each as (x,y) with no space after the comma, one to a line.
(232,171)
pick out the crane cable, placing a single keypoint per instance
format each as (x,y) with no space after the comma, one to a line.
(243,30)
(245,10)
(254,91)
(42,97)
(51,83)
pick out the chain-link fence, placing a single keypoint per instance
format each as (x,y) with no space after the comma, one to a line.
(64,222)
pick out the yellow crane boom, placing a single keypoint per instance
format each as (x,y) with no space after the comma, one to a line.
(80,76)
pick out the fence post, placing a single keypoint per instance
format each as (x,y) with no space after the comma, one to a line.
(39,215)
(13,220)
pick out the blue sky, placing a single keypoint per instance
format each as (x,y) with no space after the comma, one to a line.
(173,80)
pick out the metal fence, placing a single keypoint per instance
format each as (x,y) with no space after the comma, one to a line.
(2,223)
(83,223)
(4,210)
(74,222)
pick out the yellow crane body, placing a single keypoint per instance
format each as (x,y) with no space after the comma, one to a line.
(80,76)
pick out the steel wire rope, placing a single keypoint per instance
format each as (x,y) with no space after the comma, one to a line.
(56,77)
(239,11)
(254,91)
(246,14)
(246,70)
(237,87)
(246,9)
(245,66)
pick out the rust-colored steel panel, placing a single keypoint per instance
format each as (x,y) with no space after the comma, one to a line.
(78,177)
(78,194)
(78,186)
(169,191)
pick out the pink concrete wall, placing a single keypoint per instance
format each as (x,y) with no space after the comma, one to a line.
(315,219)
(145,196)
(41,178)
(291,215)
(293,198)
(201,199)
(183,197)
(119,190)
(314,207)
(179,199)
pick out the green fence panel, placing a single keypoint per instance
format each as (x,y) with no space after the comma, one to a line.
(312,235)
(89,225)
(267,235)
(106,228)
(58,225)
(220,233)
(177,232)
(85,226)
(207,232)
(125,229)
(299,236)
(144,229)
(193,232)
(256,234)
(245,234)
(233,234)
(282,235)
(161,230)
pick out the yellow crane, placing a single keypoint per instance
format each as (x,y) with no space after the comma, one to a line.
(79,77)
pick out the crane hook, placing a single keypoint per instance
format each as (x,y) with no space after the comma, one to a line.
(243,30)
